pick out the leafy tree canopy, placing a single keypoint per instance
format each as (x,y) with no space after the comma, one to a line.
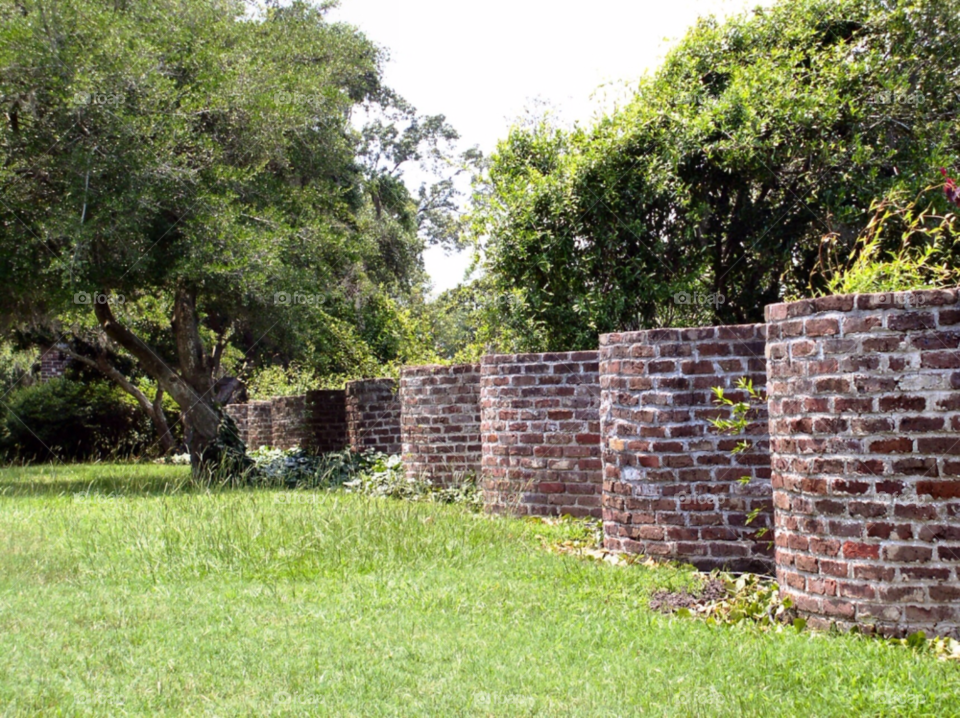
(190,168)
(706,196)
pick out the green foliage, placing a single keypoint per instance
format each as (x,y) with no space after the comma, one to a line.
(740,411)
(207,150)
(382,475)
(299,469)
(746,599)
(225,458)
(581,536)
(705,197)
(750,599)
(277,602)
(753,599)
(370,473)
(741,416)
(68,420)
(456,320)
(388,335)
(945,649)
(273,381)
(902,247)
(18,367)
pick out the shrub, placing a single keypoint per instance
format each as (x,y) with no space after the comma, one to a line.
(905,245)
(274,381)
(383,475)
(296,468)
(70,420)
(371,473)
(18,367)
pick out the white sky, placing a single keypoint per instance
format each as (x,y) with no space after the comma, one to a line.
(482,63)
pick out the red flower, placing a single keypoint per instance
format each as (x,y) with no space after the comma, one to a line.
(950,188)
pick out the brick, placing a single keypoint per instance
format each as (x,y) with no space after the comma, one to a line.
(892,446)
(373,415)
(911,321)
(676,446)
(939,445)
(821,327)
(921,424)
(834,568)
(903,403)
(939,489)
(907,554)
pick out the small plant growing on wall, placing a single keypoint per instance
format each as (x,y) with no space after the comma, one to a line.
(741,413)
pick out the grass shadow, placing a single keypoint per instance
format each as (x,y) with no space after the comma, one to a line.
(99,480)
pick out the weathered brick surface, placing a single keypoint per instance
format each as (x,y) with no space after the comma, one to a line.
(364,416)
(53,363)
(315,421)
(440,423)
(865,442)
(540,425)
(289,425)
(671,485)
(326,416)
(254,421)
(373,415)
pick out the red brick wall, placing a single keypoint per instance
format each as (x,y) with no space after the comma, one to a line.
(865,440)
(315,421)
(540,424)
(53,363)
(373,415)
(364,416)
(254,421)
(326,416)
(671,486)
(289,426)
(440,424)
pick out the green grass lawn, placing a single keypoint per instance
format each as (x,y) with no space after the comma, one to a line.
(122,594)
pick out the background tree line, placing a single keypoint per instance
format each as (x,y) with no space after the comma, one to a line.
(192,192)
(709,193)
(189,189)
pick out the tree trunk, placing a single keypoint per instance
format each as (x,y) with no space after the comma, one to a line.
(159,418)
(191,391)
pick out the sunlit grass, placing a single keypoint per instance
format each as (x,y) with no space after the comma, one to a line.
(123,592)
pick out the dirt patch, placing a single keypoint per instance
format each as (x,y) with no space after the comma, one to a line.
(712,591)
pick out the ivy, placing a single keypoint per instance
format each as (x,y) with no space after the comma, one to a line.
(741,412)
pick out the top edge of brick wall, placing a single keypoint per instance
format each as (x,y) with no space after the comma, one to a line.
(323,392)
(915,299)
(686,334)
(492,359)
(256,402)
(430,369)
(384,381)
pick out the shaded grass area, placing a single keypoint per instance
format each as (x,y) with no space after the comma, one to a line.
(122,594)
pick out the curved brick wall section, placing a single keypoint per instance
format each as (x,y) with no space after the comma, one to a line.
(671,486)
(540,424)
(53,363)
(440,424)
(315,421)
(373,415)
(865,438)
(254,422)
(288,419)
(326,417)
